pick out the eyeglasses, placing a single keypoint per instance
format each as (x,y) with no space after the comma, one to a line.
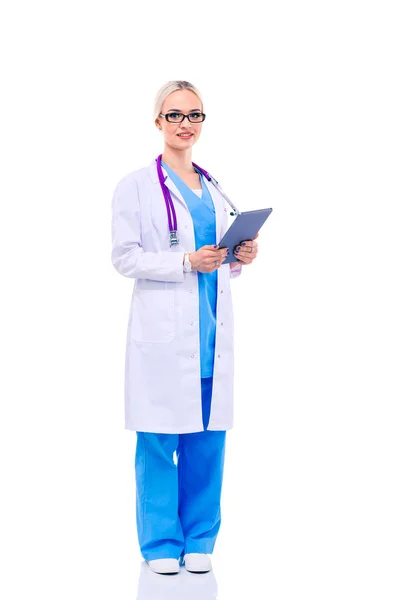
(178,117)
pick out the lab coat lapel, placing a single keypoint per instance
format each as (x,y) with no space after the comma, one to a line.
(168,181)
(173,188)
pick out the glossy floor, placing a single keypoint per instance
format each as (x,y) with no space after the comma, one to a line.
(183,586)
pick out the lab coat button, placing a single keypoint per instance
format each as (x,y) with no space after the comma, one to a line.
(185,226)
(222,323)
(218,355)
(192,323)
(221,291)
(193,355)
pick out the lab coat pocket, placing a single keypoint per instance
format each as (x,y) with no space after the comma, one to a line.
(154,319)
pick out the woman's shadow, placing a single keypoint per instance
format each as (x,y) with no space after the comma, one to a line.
(183,586)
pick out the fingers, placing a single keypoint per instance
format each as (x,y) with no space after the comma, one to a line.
(212,258)
(218,254)
(215,250)
(247,251)
(218,259)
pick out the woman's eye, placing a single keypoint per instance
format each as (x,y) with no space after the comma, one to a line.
(174,115)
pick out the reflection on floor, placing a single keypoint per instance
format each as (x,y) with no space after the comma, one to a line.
(183,586)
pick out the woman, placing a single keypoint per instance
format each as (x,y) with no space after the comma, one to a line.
(167,219)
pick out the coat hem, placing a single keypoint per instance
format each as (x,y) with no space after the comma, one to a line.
(164,429)
(211,427)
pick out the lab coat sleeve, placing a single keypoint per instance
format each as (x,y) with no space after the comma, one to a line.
(235,270)
(128,256)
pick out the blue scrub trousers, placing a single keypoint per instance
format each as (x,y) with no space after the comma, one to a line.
(178,506)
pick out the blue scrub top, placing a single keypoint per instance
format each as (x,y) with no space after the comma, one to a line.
(204,224)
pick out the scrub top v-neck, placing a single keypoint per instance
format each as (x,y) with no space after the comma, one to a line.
(202,211)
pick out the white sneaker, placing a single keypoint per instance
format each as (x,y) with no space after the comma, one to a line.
(165,566)
(197,563)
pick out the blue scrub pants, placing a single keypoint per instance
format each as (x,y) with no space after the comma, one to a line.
(178,506)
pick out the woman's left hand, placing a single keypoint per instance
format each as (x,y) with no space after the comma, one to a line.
(247,251)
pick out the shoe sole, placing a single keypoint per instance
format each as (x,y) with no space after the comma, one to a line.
(163,572)
(198,572)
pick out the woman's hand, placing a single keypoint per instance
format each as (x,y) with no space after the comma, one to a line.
(208,258)
(246,252)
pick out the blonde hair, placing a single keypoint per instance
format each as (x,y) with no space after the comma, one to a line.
(168,88)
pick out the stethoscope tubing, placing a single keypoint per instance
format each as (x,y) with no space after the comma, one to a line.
(171,212)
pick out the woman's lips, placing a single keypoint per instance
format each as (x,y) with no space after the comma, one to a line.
(186,136)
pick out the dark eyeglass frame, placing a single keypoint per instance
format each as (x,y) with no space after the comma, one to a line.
(183,116)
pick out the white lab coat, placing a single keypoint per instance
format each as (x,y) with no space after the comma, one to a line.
(162,363)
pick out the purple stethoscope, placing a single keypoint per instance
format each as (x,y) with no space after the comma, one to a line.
(171,213)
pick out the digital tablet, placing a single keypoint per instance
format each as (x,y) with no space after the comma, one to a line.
(245,227)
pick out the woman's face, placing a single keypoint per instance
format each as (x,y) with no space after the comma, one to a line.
(186,102)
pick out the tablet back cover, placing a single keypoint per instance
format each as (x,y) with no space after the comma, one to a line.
(245,227)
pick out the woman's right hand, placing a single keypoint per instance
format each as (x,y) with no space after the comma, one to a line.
(208,258)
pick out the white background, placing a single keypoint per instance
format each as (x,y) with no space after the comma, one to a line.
(311,111)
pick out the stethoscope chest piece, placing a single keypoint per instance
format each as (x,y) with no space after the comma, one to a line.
(174,240)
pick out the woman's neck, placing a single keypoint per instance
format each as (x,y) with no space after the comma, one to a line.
(178,160)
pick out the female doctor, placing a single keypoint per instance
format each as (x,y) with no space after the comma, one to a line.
(167,219)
